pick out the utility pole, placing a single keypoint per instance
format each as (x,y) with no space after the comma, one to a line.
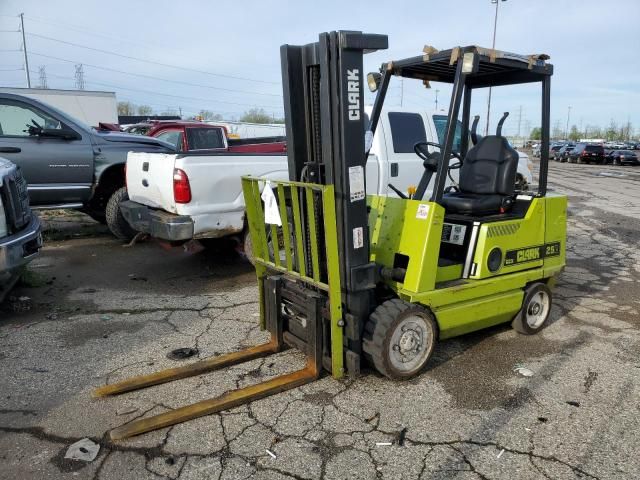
(24,49)
(519,119)
(43,77)
(580,130)
(79,77)
(493,47)
(566,131)
(437,99)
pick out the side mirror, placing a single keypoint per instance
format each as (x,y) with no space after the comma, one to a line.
(373,80)
(64,133)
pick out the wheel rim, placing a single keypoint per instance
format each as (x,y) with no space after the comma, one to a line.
(537,309)
(409,344)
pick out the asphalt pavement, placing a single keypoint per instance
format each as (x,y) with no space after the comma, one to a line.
(92,312)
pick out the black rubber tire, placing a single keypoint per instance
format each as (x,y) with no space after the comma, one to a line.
(115,220)
(519,322)
(247,246)
(379,330)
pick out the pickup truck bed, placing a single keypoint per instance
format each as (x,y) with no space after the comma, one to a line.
(150,180)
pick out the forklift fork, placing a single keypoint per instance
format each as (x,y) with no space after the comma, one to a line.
(311,345)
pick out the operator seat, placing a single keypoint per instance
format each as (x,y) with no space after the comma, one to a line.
(487,178)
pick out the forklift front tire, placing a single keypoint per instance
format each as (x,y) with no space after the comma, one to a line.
(399,339)
(536,307)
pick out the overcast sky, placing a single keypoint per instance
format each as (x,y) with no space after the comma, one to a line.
(592,44)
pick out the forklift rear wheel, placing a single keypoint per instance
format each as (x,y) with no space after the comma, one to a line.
(534,314)
(400,338)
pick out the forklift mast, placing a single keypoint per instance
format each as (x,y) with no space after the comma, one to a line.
(326,125)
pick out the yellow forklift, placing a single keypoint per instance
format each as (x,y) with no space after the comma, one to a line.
(349,278)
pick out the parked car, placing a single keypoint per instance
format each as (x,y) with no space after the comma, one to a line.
(562,154)
(20,237)
(587,153)
(68,164)
(622,157)
(185,196)
(536,150)
(554,148)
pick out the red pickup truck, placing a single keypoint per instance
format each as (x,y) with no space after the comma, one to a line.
(199,137)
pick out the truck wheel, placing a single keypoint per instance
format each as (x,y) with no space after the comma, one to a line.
(399,338)
(115,221)
(534,314)
(247,246)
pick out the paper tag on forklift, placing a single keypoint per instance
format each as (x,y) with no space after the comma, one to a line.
(358,237)
(356,183)
(271,211)
(423,211)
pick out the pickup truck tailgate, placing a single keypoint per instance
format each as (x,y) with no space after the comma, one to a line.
(150,179)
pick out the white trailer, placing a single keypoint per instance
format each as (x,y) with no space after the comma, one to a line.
(91,107)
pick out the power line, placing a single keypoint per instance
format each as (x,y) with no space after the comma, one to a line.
(78,28)
(152,62)
(151,77)
(271,107)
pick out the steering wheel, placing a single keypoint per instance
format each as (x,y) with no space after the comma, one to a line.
(423,153)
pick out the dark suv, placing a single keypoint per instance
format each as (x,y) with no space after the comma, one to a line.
(587,153)
(562,154)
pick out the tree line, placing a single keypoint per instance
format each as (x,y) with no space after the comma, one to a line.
(253,115)
(613,132)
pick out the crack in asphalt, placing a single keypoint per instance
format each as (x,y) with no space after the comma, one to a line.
(612,260)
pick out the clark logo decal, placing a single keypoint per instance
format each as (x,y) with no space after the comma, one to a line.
(353,93)
(531,254)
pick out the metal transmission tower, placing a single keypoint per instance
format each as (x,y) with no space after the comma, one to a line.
(79,77)
(43,77)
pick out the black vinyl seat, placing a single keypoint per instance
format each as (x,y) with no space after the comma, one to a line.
(487,179)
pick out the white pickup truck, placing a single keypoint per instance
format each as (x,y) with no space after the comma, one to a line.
(179,197)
